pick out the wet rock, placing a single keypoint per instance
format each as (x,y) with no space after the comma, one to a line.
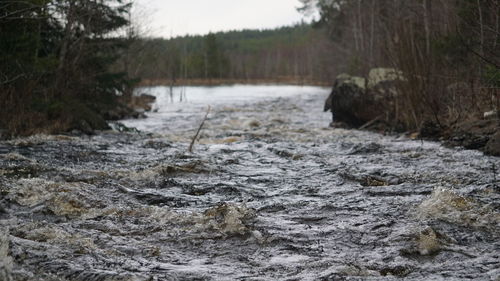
(286,154)
(475,134)
(358,102)
(157,144)
(493,145)
(195,167)
(123,111)
(83,127)
(158,199)
(119,127)
(338,124)
(430,130)
(398,271)
(348,100)
(230,219)
(142,102)
(365,148)
(373,181)
(252,123)
(428,242)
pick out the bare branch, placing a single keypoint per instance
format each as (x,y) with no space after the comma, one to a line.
(190,149)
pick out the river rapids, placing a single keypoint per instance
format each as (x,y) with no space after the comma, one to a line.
(270,192)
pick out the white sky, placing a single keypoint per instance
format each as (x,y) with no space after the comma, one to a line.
(180,17)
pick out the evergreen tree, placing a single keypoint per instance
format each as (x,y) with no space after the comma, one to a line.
(215,63)
(54,62)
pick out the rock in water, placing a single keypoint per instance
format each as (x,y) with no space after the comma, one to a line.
(345,100)
(356,101)
(143,102)
(493,145)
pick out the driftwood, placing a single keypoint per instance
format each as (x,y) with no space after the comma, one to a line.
(190,149)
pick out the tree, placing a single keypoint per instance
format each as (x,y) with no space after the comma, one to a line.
(215,64)
(54,51)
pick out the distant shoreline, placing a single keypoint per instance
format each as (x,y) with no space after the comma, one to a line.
(221,82)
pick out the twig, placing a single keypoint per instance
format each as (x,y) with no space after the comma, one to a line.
(494,170)
(369,123)
(190,149)
(7,81)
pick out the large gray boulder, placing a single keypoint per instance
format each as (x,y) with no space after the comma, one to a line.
(356,101)
(347,99)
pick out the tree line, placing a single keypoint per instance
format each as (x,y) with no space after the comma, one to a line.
(298,53)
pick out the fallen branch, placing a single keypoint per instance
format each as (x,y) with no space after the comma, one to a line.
(190,149)
(369,123)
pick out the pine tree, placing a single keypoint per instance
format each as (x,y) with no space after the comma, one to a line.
(215,63)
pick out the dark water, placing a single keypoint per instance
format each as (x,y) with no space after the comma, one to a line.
(269,193)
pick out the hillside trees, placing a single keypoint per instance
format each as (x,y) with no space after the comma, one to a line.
(289,54)
(55,57)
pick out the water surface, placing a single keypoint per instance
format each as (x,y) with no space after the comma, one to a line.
(269,193)
(183,103)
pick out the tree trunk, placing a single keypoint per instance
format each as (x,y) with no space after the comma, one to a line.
(372,31)
(426,6)
(68,28)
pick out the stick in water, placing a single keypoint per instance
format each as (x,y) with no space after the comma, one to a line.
(190,149)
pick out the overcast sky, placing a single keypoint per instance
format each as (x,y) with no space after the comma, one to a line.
(179,17)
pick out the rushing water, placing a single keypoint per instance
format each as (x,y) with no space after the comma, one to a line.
(180,108)
(269,193)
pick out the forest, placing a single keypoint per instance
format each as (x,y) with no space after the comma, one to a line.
(59,57)
(293,54)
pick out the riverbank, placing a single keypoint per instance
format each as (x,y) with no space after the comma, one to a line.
(477,134)
(459,116)
(71,115)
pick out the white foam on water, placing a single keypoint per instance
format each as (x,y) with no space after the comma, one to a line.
(447,205)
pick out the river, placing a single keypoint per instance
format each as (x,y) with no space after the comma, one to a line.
(270,192)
